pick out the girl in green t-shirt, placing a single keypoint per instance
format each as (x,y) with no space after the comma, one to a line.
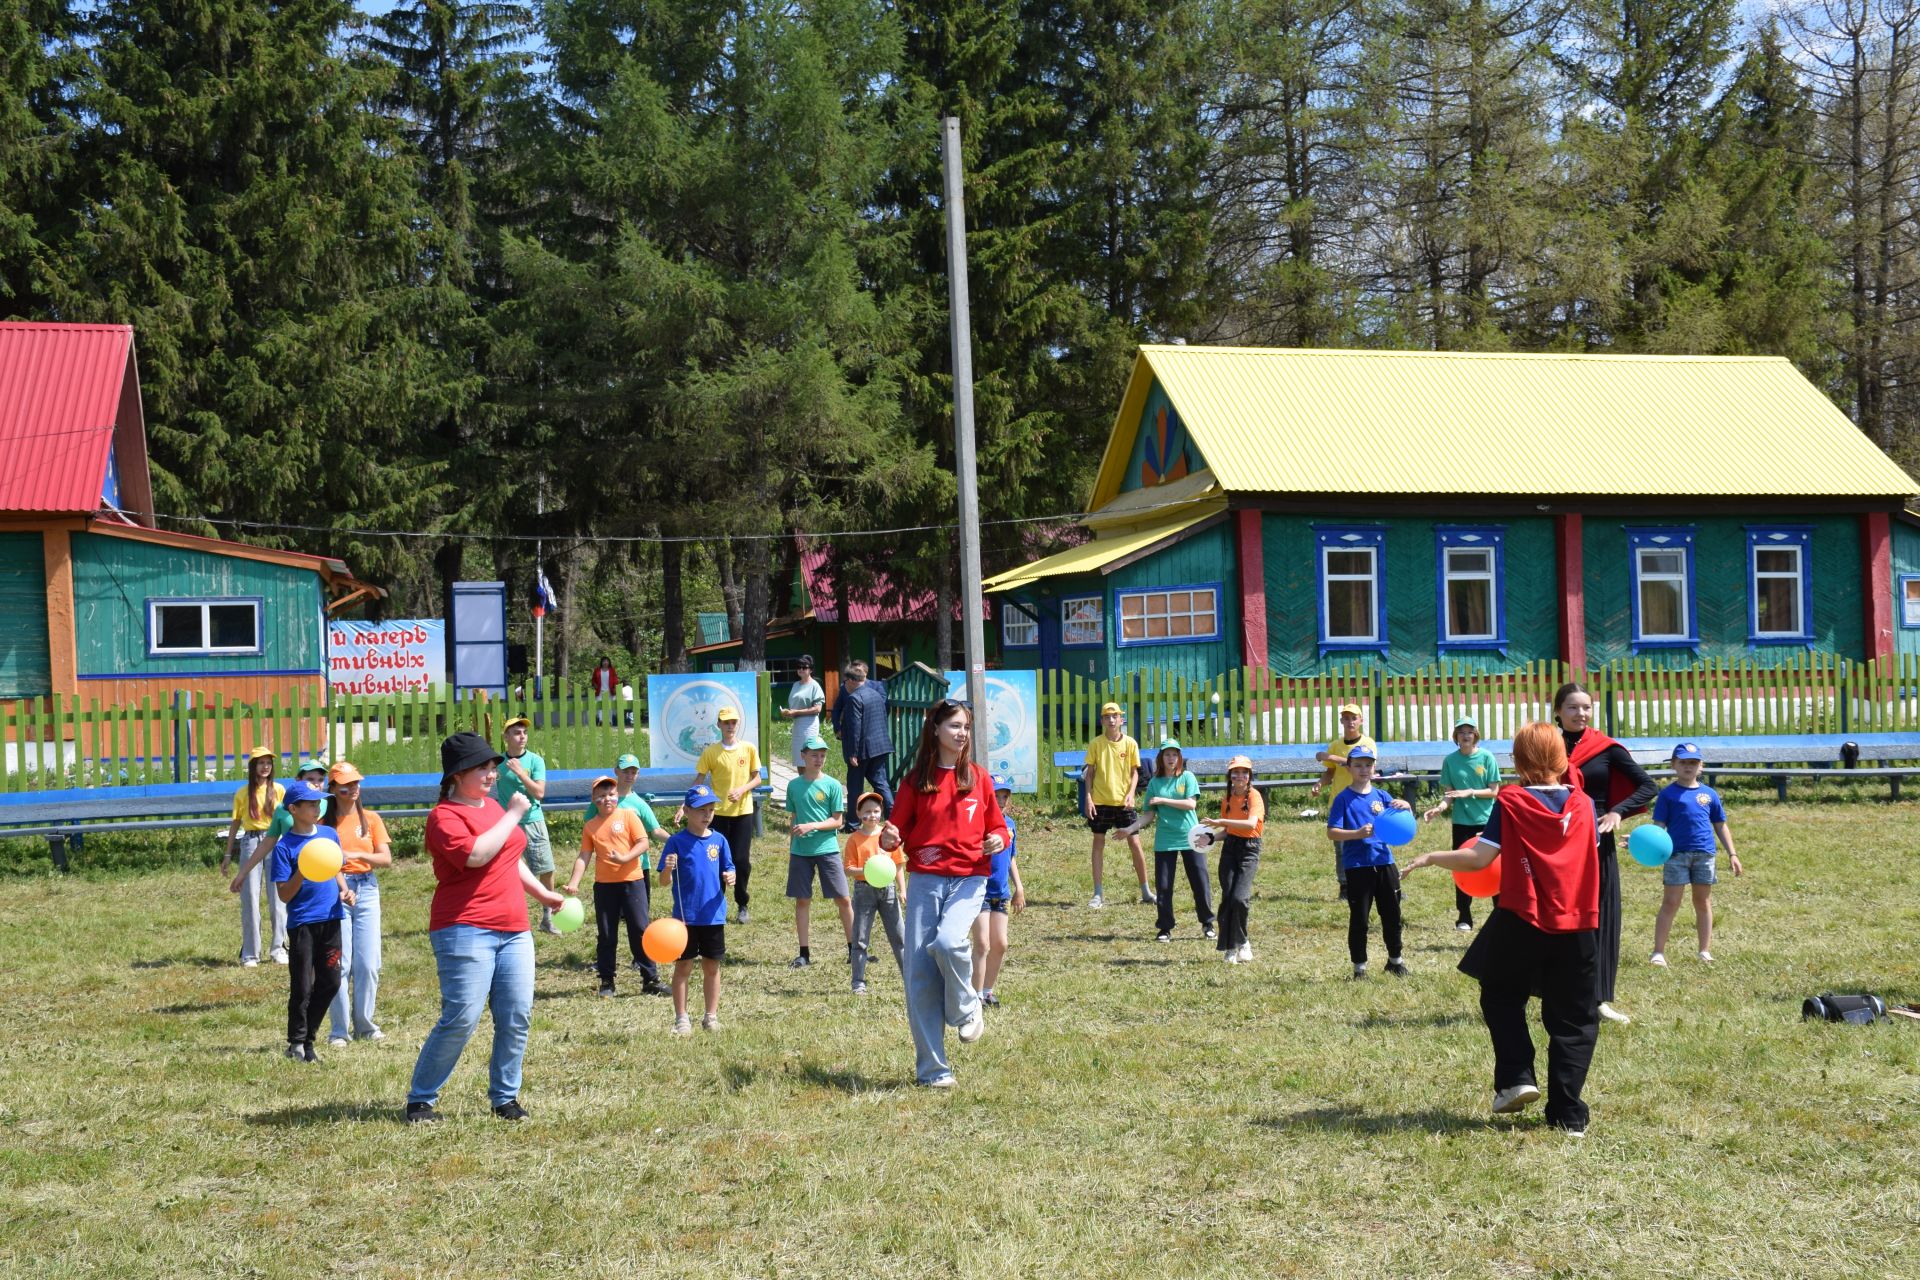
(1471,778)
(1173,795)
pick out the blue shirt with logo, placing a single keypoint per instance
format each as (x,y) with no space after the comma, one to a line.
(1351,811)
(699,895)
(999,872)
(1688,814)
(318,900)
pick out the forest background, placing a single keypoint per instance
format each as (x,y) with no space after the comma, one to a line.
(663,283)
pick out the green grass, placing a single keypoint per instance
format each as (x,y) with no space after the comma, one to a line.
(1135,1109)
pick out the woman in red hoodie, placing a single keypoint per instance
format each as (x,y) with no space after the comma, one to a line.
(1544,937)
(945,815)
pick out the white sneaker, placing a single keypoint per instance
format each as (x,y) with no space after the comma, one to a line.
(683,1025)
(944,1082)
(1232,956)
(375,1034)
(1612,1014)
(711,1022)
(338,1042)
(1147,899)
(1246,953)
(1507,1101)
(278,955)
(1706,957)
(1096,902)
(249,964)
(743,917)
(1359,971)
(1658,960)
(1463,926)
(973,1028)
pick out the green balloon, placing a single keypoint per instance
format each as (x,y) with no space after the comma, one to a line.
(569,916)
(879,870)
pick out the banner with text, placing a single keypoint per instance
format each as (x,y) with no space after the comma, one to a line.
(386,657)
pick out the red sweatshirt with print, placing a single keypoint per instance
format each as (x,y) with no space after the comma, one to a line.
(944,831)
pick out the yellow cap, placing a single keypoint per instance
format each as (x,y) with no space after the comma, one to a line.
(517,720)
(1351,709)
(1112,709)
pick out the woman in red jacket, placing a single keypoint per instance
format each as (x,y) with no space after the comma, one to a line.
(1544,937)
(945,815)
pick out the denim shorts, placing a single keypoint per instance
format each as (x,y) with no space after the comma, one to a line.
(996,905)
(1688,868)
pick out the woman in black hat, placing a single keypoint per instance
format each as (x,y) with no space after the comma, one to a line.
(482,945)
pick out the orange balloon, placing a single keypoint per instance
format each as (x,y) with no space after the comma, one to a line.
(665,940)
(1484,883)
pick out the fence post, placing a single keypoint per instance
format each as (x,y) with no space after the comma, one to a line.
(182,730)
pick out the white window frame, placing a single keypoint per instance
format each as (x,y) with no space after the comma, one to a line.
(1798,576)
(1074,613)
(1643,575)
(1372,543)
(204,604)
(1491,576)
(1012,613)
(1194,636)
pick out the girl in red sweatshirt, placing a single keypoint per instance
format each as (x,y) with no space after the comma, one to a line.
(946,818)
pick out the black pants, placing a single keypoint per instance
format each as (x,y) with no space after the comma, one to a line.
(1607,968)
(313,977)
(1462,900)
(870,774)
(624,900)
(1567,978)
(1366,887)
(1164,863)
(1239,862)
(739,834)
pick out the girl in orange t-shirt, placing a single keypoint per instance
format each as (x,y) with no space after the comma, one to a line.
(1243,815)
(364,842)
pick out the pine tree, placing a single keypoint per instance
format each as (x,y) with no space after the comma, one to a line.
(39,63)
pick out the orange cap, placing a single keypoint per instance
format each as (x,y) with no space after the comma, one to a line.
(343,773)
(1239,762)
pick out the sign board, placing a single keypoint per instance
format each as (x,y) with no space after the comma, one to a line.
(386,657)
(683,714)
(1011,725)
(477,638)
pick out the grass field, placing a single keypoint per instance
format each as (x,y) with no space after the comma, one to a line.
(1134,1109)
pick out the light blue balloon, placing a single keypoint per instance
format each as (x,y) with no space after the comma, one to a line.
(1649,845)
(1396,826)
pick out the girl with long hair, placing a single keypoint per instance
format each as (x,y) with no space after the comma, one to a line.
(253,807)
(946,817)
(364,841)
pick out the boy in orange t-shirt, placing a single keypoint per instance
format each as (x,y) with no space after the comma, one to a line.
(616,838)
(867,900)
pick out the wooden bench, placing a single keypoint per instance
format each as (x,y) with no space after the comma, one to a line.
(65,818)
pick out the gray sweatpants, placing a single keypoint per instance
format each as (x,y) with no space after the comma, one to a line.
(867,903)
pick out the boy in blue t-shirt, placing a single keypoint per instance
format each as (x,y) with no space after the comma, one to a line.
(699,864)
(315,909)
(1693,815)
(1371,875)
(1004,890)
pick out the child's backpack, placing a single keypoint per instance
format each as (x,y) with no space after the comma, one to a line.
(1861,1009)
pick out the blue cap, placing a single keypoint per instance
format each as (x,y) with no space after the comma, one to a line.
(1362,752)
(701,795)
(298,791)
(1001,782)
(1687,751)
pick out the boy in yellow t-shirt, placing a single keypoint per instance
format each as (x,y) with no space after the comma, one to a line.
(1336,778)
(731,767)
(616,840)
(1112,775)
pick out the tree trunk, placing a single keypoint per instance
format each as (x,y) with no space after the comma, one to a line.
(730,597)
(673,608)
(756,553)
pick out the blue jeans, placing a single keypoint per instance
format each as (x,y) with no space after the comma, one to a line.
(939,965)
(478,968)
(359,959)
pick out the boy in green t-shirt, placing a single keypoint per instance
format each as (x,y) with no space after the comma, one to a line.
(1336,777)
(1471,778)
(525,772)
(1112,775)
(816,804)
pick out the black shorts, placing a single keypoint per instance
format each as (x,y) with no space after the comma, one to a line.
(705,942)
(1109,817)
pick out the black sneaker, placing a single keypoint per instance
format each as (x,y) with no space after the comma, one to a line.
(511,1110)
(990,1000)
(654,987)
(422,1113)
(606,993)
(296,1053)
(306,1051)
(800,962)
(1398,968)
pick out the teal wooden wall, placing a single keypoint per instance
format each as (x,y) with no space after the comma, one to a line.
(1722,590)
(1906,560)
(1293,586)
(1161,442)
(25,670)
(113,578)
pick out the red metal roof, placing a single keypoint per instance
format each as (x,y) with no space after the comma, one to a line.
(60,388)
(884,601)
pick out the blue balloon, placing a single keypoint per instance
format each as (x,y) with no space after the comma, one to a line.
(1649,845)
(1396,826)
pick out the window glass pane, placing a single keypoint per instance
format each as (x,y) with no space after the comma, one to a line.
(1133,628)
(1180,624)
(1777,605)
(1179,601)
(232,626)
(1661,608)
(1203,604)
(1132,606)
(1469,607)
(178,627)
(1777,560)
(1469,560)
(1910,606)
(1672,562)
(1157,628)
(1350,563)
(1081,621)
(1350,610)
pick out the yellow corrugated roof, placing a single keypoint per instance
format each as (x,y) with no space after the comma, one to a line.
(1105,548)
(1272,420)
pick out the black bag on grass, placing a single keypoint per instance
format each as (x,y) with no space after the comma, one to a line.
(1832,1008)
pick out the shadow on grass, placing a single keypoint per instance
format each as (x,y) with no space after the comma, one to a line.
(1128,962)
(1355,1120)
(202,1006)
(198,962)
(330,1113)
(739,1075)
(846,1081)
(1387,1020)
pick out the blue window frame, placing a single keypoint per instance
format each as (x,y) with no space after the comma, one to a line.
(1663,599)
(1186,614)
(199,626)
(1470,586)
(1351,602)
(1019,625)
(1083,622)
(1779,584)
(1910,601)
